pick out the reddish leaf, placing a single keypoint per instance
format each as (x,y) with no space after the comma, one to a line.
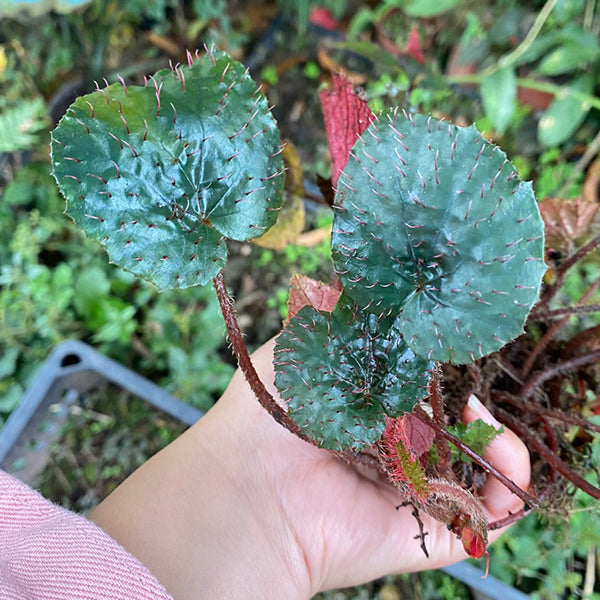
(566,220)
(290,218)
(473,542)
(404,439)
(346,117)
(305,291)
(413,46)
(322,17)
(412,432)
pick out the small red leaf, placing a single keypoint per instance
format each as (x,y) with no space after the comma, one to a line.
(322,17)
(400,457)
(412,432)
(346,118)
(413,46)
(473,542)
(566,220)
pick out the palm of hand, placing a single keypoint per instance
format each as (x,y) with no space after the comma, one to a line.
(345,523)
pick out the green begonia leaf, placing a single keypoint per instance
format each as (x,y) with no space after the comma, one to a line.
(341,373)
(160,175)
(433,224)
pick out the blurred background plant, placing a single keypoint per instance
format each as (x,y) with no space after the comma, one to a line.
(526,73)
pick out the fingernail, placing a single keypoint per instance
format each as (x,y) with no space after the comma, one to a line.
(482,412)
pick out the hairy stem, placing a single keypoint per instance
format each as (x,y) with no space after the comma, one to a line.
(550,456)
(568,310)
(241,353)
(529,362)
(564,268)
(513,517)
(529,387)
(509,519)
(550,413)
(437,406)
(484,464)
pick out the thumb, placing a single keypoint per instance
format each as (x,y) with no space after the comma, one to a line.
(509,455)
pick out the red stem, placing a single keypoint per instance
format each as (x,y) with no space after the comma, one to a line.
(568,310)
(511,518)
(552,332)
(529,387)
(241,353)
(567,264)
(552,445)
(484,464)
(548,455)
(551,413)
(437,407)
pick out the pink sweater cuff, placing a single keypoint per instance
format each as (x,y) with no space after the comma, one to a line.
(49,553)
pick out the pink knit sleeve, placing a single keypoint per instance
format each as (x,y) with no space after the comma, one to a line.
(49,553)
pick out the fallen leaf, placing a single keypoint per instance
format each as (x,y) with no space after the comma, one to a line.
(305,291)
(287,228)
(328,62)
(314,237)
(566,220)
(537,99)
(290,220)
(592,182)
(294,174)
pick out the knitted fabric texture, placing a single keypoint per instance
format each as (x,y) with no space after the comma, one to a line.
(49,553)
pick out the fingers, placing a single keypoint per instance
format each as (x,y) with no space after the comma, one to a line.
(509,455)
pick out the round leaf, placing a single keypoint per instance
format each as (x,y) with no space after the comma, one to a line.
(161,174)
(341,373)
(433,224)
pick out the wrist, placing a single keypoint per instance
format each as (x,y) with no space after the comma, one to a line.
(250,549)
(199,516)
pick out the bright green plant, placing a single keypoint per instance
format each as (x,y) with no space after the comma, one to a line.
(54,285)
(562,43)
(552,70)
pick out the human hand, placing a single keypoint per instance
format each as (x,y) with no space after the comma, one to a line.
(239,507)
